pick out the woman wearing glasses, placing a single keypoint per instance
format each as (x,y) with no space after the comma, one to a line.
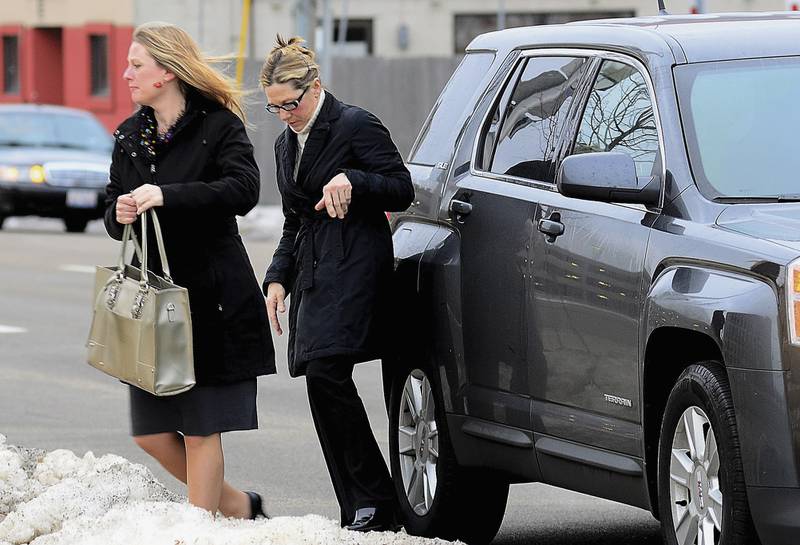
(338,171)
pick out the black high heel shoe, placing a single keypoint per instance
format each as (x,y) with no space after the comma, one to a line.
(256,506)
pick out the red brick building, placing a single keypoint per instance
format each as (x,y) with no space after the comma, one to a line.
(48,55)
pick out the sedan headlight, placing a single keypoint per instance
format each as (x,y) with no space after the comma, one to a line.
(33,174)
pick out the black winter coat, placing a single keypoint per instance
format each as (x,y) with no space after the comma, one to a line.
(338,271)
(208,175)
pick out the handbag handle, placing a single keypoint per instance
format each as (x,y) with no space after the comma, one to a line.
(159,242)
(115,282)
(141,251)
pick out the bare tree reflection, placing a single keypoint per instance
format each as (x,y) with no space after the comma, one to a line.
(619,117)
(534,116)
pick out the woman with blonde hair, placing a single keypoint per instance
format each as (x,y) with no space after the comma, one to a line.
(186,153)
(338,171)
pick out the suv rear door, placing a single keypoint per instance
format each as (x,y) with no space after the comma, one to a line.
(494,205)
(589,284)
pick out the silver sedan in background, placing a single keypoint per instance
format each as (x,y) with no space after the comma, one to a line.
(54,162)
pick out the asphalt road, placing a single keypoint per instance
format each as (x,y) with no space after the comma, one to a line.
(50,398)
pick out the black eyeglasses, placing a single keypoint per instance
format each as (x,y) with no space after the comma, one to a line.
(288,107)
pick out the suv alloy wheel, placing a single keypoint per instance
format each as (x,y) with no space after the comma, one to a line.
(701,489)
(437,497)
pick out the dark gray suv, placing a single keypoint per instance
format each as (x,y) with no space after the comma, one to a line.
(599,281)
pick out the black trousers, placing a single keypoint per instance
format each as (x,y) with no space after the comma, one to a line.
(357,469)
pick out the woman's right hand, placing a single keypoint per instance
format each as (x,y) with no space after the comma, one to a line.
(275,296)
(126,209)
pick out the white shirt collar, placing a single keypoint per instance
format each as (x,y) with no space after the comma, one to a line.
(310,124)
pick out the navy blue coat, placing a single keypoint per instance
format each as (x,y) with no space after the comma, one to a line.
(338,271)
(208,176)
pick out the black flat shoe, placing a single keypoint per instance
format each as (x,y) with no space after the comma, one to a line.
(256,506)
(370,519)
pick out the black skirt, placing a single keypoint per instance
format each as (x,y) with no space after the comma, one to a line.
(202,411)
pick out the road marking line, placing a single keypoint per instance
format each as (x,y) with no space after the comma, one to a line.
(11,329)
(78,268)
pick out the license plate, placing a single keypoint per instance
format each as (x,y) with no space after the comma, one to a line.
(81,198)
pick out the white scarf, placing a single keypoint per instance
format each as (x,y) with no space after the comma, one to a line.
(302,135)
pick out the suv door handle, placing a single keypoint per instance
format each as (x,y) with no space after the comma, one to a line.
(460,209)
(551,227)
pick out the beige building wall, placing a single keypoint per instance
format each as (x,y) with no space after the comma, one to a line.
(43,13)
(429,23)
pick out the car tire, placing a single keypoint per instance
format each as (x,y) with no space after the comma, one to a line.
(2,221)
(701,490)
(447,501)
(75,224)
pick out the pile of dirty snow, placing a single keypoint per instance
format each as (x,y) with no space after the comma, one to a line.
(57,498)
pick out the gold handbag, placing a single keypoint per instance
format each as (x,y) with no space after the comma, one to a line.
(142,329)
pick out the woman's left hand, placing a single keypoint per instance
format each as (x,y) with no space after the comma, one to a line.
(336,196)
(147,196)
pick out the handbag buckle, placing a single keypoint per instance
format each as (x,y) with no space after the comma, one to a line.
(138,302)
(113,292)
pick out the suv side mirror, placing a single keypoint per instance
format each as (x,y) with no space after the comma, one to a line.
(608,176)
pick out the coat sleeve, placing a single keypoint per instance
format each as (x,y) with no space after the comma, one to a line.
(236,191)
(382,180)
(113,190)
(283,260)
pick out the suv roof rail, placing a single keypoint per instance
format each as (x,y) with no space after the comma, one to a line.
(662,9)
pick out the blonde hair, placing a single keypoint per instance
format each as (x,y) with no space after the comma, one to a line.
(289,62)
(175,50)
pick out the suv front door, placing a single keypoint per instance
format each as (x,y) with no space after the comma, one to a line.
(589,285)
(494,207)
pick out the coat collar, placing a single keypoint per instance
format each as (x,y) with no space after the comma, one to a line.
(127,134)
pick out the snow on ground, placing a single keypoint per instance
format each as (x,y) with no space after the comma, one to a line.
(58,498)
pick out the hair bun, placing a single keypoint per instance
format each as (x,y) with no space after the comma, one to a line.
(289,60)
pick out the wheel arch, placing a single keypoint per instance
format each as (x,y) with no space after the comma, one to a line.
(665,347)
(697,312)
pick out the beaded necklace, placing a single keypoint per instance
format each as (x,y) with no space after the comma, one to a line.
(150,139)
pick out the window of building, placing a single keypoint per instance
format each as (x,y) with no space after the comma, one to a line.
(619,117)
(357,38)
(11,65)
(467,26)
(98,50)
(530,117)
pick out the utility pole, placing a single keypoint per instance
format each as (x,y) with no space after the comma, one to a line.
(501,14)
(245,26)
(343,24)
(306,20)
(327,40)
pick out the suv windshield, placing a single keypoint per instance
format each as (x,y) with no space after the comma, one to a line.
(740,120)
(34,129)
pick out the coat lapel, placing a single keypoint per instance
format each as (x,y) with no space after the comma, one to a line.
(317,140)
(287,154)
(314,146)
(128,138)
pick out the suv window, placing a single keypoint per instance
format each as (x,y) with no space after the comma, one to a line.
(532,118)
(619,117)
(755,100)
(438,135)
